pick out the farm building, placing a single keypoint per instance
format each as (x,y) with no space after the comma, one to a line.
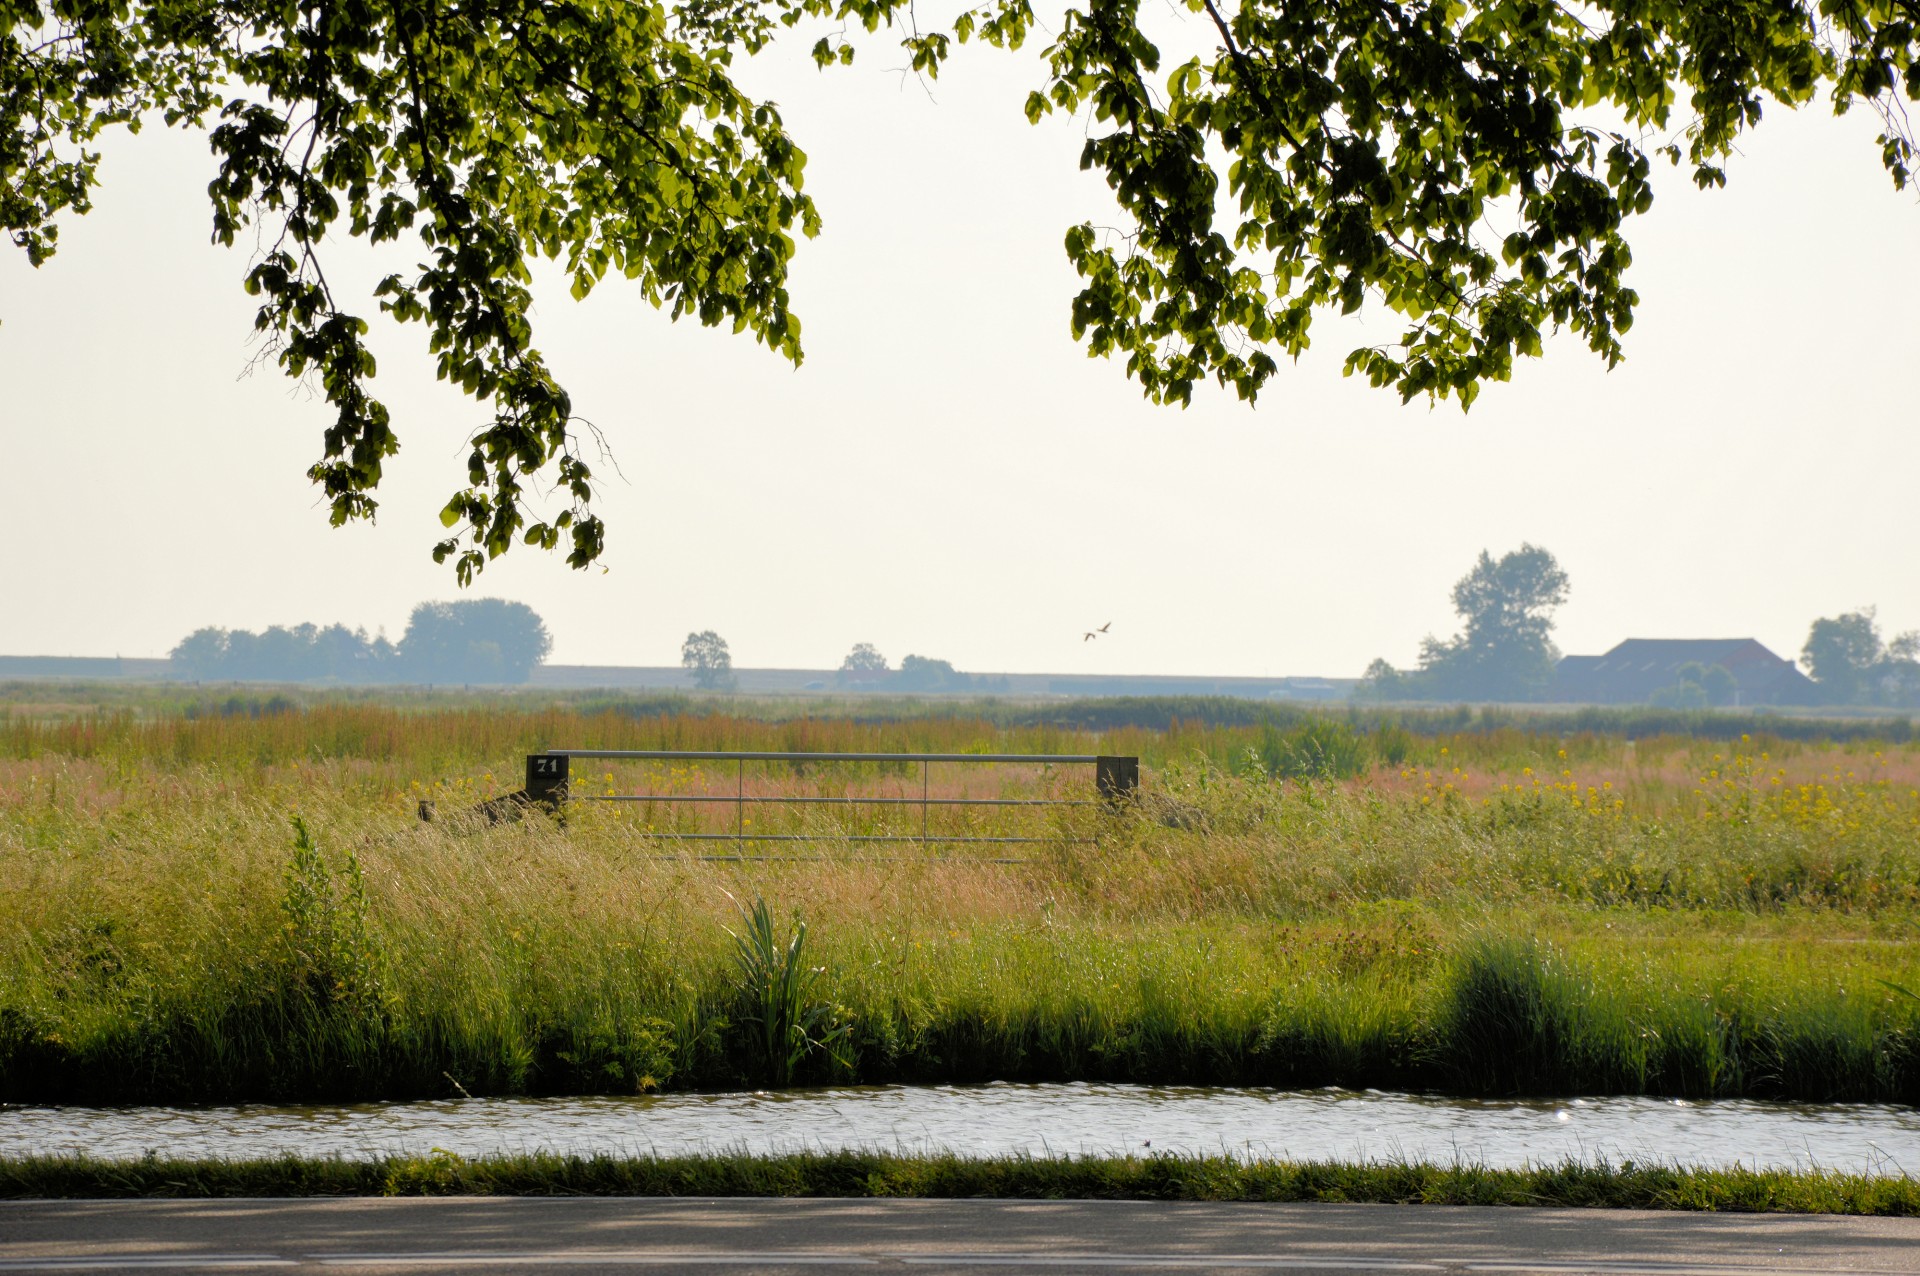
(1640,669)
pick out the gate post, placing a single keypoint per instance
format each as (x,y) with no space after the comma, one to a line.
(1117,778)
(547,779)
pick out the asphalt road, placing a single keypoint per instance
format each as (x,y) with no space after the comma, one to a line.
(982,1238)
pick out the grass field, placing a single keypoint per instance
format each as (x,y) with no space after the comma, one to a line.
(1501,909)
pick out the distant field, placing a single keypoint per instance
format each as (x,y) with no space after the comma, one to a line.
(49,699)
(1509,906)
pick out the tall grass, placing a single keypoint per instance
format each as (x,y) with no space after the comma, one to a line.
(1520,1017)
(521,961)
(1680,917)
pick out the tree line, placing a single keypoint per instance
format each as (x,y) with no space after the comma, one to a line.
(478,640)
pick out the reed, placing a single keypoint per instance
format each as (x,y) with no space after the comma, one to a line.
(776,996)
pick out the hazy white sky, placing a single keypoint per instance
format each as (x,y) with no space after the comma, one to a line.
(949,474)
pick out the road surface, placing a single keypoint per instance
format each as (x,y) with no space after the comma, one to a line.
(981,1238)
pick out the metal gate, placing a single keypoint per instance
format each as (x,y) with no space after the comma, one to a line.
(549,782)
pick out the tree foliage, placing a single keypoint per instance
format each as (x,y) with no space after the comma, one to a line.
(1370,145)
(602,134)
(1470,165)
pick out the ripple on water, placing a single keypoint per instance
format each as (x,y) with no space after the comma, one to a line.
(1002,1119)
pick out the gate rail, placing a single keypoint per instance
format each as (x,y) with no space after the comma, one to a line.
(1116,778)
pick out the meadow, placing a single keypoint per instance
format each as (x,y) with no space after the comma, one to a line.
(229,899)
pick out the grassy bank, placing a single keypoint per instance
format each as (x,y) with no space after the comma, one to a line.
(523,961)
(877,1175)
(1491,914)
(1508,1017)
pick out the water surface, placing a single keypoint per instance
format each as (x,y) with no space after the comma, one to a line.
(1002,1119)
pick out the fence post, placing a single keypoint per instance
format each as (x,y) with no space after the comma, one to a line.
(547,779)
(1118,779)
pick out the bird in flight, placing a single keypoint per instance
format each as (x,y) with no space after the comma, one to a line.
(1091,634)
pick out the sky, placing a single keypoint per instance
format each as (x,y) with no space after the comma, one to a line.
(949,474)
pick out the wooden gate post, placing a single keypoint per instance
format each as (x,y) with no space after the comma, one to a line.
(1117,778)
(547,779)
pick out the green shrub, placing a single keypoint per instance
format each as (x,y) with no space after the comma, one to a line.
(331,955)
(1320,749)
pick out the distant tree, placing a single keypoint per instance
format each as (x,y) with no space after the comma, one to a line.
(1505,651)
(1848,662)
(1900,671)
(864,664)
(200,654)
(1840,653)
(864,658)
(478,640)
(706,654)
(923,673)
(1381,682)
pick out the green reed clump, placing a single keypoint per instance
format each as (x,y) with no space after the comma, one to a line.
(894,1175)
(777,996)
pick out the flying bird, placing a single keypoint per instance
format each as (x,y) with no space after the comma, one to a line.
(1091,634)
